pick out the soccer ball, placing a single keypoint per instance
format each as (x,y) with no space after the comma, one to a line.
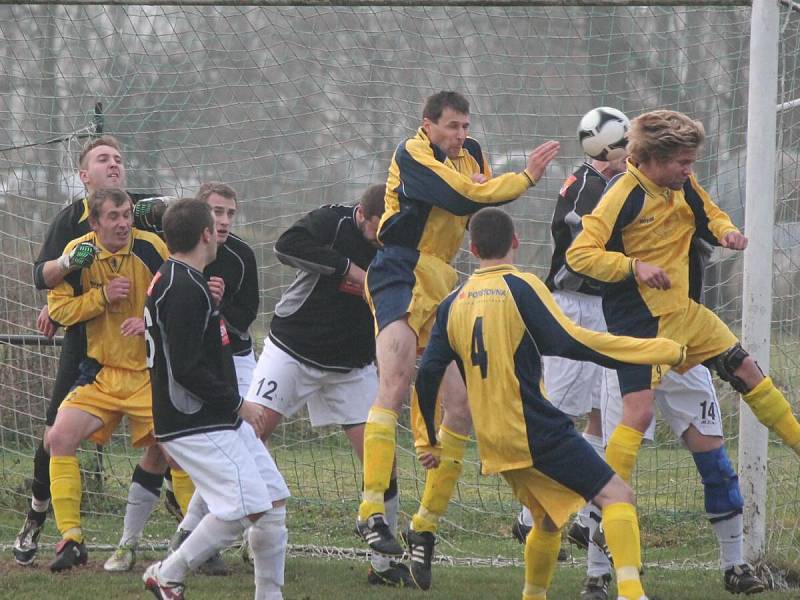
(602,133)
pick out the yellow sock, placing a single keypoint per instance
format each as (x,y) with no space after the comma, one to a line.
(621,451)
(379,443)
(183,488)
(541,553)
(622,534)
(65,490)
(440,482)
(771,408)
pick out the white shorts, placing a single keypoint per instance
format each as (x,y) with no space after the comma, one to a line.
(682,400)
(245,365)
(285,385)
(576,387)
(232,470)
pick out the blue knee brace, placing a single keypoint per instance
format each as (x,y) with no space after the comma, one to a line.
(720,481)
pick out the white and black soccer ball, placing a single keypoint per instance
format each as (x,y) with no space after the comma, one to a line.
(602,133)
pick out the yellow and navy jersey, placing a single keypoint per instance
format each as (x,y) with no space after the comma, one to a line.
(636,219)
(80,298)
(497,327)
(429,197)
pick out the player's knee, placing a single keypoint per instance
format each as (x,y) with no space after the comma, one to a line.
(638,414)
(61,441)
(720,482)
(615,491)
(736,367)
(153,460)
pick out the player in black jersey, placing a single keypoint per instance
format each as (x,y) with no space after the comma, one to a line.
(100,165)
(321,345)
(200,418)
(232,279)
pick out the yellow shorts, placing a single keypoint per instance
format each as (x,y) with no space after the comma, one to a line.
(694,325)
(112,394)
(543,496)
(402,283)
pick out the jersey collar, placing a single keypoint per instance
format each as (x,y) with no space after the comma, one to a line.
(650,188)
(495,269)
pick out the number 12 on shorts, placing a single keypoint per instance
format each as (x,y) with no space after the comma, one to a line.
(269,388)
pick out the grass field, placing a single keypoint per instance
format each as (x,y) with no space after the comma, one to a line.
(317,579)
(679,546)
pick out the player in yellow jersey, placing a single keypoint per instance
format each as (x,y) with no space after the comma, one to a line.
(636,241)
(108,297)
(497,327)
(437,179)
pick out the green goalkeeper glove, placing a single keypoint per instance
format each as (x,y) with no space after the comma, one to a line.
(80,257)
(148,212)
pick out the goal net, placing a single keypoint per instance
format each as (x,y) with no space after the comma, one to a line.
(298,107)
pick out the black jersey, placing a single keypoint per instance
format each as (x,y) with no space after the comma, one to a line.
(315,321)
(236,265)
(188,352)
(579,194)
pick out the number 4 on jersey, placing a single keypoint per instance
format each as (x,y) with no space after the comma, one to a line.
(478,351)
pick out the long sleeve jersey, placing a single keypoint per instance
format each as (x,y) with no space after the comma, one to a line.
(637,219)
(315,321)
(496,327)
(80,298)
(429,197)
(236,265)
(578,196)
(191,366)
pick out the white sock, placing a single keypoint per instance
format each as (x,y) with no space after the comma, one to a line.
(141,503)
(268,538)
(195,512)
(729,532)
(40,505)
(597,564)
(525,517)
(381,562)
(210,536)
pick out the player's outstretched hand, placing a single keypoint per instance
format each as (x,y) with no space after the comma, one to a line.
(216,285)
(540,158)
(254,414)
(80,257)
(132,326)
(117,289)
(652,276)
(734,240)
(45,324)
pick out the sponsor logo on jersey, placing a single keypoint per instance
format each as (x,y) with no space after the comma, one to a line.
(646,220)
(223,333)
(486,292)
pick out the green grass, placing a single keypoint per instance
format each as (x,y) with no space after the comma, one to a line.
(319,579)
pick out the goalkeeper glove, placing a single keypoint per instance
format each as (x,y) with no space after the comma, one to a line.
(148,212)
(80,257)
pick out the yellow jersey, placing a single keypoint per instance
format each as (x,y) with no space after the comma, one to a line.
(636,219)
(80,298)
(497,327)
(429,197)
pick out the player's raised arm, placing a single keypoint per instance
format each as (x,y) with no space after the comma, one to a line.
(306,245)
(555,334)
(713,224)
(437,356)
(424,177)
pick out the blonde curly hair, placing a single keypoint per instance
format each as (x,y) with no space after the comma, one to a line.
(660,134)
